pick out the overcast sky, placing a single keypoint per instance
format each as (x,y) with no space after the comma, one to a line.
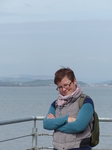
(37,37)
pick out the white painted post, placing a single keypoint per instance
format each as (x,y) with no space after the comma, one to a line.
(34,137)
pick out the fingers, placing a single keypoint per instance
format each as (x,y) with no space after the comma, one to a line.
(71,119)
(50,116)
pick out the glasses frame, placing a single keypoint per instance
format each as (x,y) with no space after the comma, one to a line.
(61,87)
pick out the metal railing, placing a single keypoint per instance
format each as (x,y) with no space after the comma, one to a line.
(34,133)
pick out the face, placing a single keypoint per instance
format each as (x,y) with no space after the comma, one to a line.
(66,86)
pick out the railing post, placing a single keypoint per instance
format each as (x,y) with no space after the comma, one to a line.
(34,137)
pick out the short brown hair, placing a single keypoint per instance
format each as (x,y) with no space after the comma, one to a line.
(61,73)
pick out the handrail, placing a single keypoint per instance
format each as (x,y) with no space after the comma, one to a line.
(34,132)
(105,119)
(32,118)
(5,122)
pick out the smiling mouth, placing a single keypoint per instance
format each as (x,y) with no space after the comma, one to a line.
(66,92)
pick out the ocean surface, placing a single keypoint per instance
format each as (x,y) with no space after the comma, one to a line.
(22,102)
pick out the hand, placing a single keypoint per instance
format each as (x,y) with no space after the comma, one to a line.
(71,119)
(50,116)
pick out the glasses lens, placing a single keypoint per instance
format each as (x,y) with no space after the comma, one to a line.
(64,86)
(57,88)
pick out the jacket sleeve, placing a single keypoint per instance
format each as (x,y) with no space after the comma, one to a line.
(54,123)
(84,116)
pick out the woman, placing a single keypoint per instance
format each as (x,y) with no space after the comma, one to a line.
(71,125)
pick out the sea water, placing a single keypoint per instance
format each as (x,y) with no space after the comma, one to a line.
(22,102)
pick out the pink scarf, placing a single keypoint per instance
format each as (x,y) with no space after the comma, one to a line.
(63,99)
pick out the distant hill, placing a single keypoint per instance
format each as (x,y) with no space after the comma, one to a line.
(105,83)
(80,83)
(34,83)
(24,78)
(29,83)
(48,82)
(28,80)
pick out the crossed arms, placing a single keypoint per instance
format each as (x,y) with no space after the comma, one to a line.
(68,124)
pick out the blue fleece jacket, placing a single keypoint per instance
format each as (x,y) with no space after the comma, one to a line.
(61,123)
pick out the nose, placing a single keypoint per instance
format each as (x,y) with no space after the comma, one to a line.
(63,88)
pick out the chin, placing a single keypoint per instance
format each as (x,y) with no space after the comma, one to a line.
(67,93)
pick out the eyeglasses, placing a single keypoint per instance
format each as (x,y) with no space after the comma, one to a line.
(66,86)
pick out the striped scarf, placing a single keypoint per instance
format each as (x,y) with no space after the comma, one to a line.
(62,100)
